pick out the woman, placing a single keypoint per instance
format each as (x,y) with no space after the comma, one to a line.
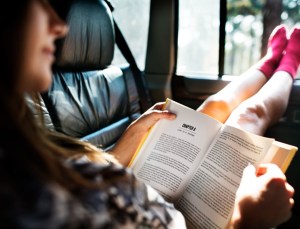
(45,183)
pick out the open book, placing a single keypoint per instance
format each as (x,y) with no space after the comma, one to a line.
(197,162)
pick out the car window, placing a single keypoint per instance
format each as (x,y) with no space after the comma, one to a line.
(132,16)
(249,23)
(198,38)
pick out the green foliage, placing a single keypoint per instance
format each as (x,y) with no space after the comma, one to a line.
(254,7)
(292,8)
(243,7)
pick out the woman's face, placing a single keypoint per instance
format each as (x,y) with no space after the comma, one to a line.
(43,28)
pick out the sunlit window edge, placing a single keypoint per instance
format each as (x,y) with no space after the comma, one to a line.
(206,76)
(200,76)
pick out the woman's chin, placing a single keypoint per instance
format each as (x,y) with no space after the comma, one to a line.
(43,85)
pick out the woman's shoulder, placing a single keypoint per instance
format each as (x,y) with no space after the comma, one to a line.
(99,173)
(118,199)
(130,200)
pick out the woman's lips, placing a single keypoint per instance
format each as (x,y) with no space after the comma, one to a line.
(49,52)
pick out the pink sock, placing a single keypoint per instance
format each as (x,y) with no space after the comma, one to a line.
(276,45)
(291,60)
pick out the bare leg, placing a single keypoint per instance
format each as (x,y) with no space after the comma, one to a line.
(266,107)
(220,105)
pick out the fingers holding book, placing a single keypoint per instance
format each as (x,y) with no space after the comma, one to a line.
(264,198)
(153,115)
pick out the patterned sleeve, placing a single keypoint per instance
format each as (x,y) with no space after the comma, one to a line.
(127,201)
(120,202)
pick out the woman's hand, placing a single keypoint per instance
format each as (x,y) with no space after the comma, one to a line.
(131,138)
(151,116)
(264,198)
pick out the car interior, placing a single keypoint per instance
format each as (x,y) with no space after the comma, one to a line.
(95,99)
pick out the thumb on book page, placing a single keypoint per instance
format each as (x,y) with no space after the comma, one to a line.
(249,173)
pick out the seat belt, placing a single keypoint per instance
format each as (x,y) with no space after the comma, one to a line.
(139,78)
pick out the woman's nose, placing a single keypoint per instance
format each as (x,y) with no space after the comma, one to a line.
(57,25)
(60,29)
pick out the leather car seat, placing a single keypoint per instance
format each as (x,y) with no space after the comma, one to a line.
(90,98)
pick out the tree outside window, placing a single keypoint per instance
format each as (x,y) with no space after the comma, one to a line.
(249,24)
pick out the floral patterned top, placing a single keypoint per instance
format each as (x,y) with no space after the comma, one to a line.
(123,202)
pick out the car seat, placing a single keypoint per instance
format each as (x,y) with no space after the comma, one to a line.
(90,98)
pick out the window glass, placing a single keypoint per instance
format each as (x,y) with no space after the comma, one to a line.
(198,38)
(132,17)
(249,24)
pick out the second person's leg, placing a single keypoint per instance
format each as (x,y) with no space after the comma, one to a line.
(268,105)
(220,105)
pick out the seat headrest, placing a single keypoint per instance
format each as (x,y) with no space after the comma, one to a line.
(90,41)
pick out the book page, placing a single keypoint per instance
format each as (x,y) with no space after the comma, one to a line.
(209,197)
(173,150)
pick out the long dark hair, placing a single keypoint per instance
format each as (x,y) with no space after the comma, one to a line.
(25,144)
